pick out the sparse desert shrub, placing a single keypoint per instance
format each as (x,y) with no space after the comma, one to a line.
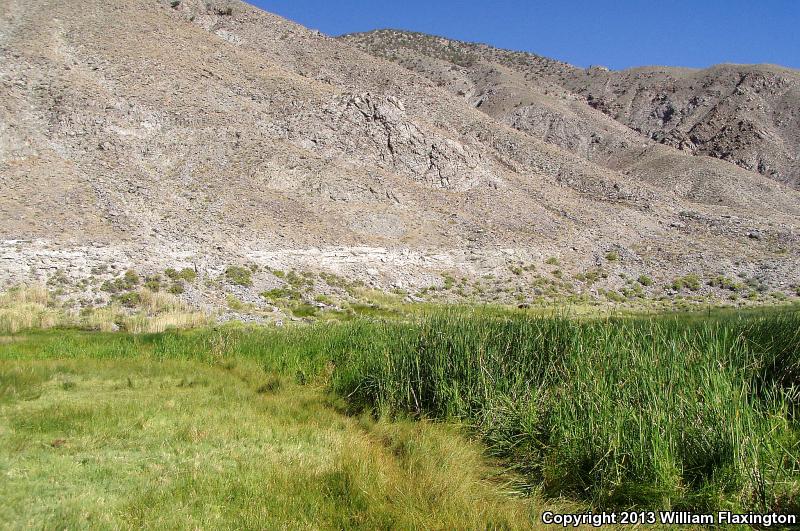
(757,283)
(613,296)
(109,286)
(131,278)
(612,256)
(645,280)
(130,299)
(277,294)
(690,281)
(128,281)
(187,273)
(234,303)
(153,283)
(591,276)
(297,280)
(304,310)
(241,276)
(632,290)
(552,261)
(101,269)
(176,288)
(723,282)
(59,278)
(336,281)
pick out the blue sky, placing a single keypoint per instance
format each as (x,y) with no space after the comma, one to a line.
(617,33)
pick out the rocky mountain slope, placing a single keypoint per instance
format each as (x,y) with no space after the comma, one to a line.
(748,115)
(150,134)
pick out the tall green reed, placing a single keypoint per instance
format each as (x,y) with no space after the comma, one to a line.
(681,413)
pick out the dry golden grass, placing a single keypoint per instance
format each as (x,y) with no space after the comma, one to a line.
(141,323)
(36,294)
(26,307)
(159,302)
(30,307)
(163,311)
(101,319)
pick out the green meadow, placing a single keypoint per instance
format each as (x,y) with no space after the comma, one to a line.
(454,418)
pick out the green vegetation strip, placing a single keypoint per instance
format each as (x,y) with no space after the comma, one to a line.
(211,430)
(681,412)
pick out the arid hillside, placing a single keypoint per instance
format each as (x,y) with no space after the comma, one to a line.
(748,115)
(150,134)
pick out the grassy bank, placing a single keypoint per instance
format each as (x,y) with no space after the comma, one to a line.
(684,412)
(115,431)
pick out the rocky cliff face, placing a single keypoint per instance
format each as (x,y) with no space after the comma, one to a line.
(208,133)
(381,135)
(746,115)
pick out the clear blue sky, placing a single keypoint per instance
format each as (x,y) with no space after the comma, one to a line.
(616,33)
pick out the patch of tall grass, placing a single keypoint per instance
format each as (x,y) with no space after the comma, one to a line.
(33,307)
(162,311)
(26,307)
(662,412)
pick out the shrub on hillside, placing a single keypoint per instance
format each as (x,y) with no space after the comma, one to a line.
(241,276)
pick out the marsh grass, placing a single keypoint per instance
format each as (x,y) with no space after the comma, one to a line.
(465,418)
(139,431)
(662,412)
